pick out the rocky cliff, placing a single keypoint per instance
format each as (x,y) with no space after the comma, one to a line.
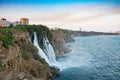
(19,60)
(60,38)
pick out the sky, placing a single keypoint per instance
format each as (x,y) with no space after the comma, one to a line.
(90,15)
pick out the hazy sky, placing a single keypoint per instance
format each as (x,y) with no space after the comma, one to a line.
(91,15)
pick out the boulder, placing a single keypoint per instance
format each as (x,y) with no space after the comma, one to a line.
(55,71)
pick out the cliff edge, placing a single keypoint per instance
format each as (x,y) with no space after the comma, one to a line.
(60,38)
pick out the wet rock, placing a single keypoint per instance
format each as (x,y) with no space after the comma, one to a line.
(55,71)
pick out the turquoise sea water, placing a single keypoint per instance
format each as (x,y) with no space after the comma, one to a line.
(92,58)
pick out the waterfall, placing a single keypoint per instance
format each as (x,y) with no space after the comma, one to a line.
(29,38)
(49,50)
(40,51)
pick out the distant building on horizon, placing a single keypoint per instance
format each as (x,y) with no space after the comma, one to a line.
(24,21)
(4,22)
(16,23)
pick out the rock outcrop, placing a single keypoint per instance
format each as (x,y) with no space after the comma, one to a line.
(60,38)
(19,64)
(55,71)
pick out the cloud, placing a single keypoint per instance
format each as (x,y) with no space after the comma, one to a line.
(79,14)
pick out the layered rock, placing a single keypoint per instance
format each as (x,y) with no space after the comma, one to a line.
(60,38)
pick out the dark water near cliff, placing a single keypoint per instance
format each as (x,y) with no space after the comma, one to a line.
(92,58)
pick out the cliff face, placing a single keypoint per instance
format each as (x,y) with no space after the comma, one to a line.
(20,60)
(60,38)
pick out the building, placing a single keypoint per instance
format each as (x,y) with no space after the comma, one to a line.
(4,23)
(16,23)
(24,21)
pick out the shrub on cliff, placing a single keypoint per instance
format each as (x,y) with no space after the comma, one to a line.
(41,31)
(1,67)
(6,38)
(30,51)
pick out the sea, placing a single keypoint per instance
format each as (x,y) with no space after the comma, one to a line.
(92,58)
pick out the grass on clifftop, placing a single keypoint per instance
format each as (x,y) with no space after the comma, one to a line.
(6,35)
(7,39)
(41,31)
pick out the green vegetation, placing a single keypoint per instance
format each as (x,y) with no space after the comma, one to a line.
(11,25)
(1,67)
(41,30)
(25,55)
(6,35)
(6,38)
(1,78)
(30,51)
(10,29)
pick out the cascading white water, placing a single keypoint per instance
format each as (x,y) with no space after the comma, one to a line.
(29,38)
(48,54)
(49,50)
(40,51)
